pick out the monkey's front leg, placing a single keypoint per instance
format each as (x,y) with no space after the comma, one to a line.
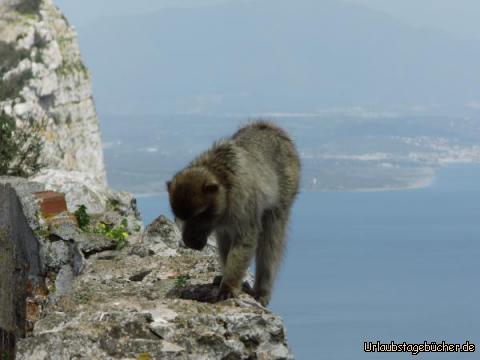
(236,266)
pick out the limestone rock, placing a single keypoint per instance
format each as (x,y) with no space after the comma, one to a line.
(162,230)
(130,306)
(111,303)
(49,83)
(153,298)
(80,188)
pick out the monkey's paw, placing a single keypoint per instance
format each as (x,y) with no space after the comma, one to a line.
(263,297)
(264,300)
(226,292)
(246,287)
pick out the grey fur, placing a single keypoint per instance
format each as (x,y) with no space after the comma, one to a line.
(257,172)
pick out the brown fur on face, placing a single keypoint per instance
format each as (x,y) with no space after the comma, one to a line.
(197,198)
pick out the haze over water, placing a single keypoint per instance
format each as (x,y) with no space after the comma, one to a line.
(378,95)
(388,266)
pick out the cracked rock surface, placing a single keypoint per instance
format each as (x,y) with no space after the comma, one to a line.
(155,305)
(151,299)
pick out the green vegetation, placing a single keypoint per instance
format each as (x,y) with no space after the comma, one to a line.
(42,232)
(21,147)
(82,216)
(51,282)
(72,67)
(182,281)
(118,233)
(9,147)
(144,356)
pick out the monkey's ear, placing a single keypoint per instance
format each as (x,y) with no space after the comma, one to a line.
(210,188)
(169,185)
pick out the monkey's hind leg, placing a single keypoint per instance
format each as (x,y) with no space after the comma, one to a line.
(269,253)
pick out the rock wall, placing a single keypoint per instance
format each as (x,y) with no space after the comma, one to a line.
(43,79)
(20,269)
(149,299)
(83,293)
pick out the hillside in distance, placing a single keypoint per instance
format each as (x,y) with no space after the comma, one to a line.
(337,153)
(264,56)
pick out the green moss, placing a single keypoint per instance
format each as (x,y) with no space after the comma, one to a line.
(72,67)
(69,66)
(144,356)
(42,233)
(52,277)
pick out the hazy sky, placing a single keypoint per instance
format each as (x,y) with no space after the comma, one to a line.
(459,17)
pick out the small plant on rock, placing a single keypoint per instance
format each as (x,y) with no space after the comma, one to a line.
(83,218)
(118,233)
(182,281)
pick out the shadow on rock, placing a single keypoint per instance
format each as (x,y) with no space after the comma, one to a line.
(201,292)
(204,292)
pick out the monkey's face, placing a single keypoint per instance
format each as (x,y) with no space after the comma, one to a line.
(195,233)
(195,198)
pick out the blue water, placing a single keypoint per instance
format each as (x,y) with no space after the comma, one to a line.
(396,265)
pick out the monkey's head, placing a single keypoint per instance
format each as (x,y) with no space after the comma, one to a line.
(199,200)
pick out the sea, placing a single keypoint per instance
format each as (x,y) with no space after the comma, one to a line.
(364,267)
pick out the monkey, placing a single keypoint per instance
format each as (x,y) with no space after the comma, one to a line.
(242,190)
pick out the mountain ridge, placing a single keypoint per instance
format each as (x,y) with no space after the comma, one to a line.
(265,56)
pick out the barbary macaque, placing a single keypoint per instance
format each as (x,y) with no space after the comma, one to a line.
(241,190)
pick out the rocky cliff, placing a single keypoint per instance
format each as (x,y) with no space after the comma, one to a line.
(84,294)
(95,285)
(43,80)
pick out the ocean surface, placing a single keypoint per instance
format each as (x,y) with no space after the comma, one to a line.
(383,266)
